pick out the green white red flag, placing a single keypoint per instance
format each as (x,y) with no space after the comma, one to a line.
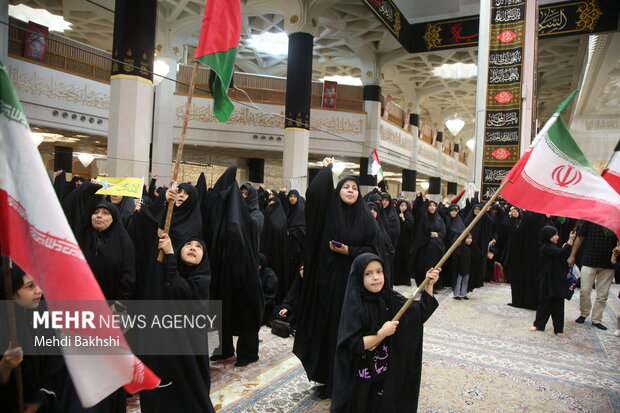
(612,171)
(554,177)
(217,48)
(36,235)
(374,166)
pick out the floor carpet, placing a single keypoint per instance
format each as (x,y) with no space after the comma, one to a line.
(479,356)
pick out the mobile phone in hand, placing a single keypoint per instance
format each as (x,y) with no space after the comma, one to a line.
(336,244)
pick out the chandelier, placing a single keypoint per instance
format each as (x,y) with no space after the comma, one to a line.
(455,124)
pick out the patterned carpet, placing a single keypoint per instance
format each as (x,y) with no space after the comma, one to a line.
(479,356)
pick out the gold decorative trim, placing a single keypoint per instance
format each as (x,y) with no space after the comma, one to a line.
(431,36)
(589,13)
(294,19)
(133,77)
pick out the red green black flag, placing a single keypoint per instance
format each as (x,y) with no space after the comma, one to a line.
(217,48)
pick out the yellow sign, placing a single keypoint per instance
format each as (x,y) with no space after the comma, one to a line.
(121,186)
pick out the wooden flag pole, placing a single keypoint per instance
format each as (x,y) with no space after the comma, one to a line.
(175,173)
(445,257)
(10,303)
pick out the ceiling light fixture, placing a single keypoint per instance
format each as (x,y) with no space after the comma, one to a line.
(86,159)
(455,124)
(471,143)
(160,70)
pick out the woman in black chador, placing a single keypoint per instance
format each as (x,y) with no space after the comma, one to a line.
(428,243)
(185,379)
(274,244)
(403,265)
(234,223)
(385,378)
(339,215)
(296,228)
(109,251)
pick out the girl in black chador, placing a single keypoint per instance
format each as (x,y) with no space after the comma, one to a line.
(385,378)
(553,283)
(186,379)
(40,374)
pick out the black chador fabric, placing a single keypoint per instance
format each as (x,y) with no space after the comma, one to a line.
(142,229)
(125,209)
(269,282)
(63,188)
(391,214)
(233,225)
(296,227)
(523,261)
(385,241)
(186,220)
(403,264)
(76,204)
(110,254)
(274,244)
(363,314)
(185,379)
(428,251)
(201,187)
(291,302)
(325,272)
(42,376)
(553,267)
(482,233)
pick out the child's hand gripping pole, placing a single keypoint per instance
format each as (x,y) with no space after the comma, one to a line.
(445,257)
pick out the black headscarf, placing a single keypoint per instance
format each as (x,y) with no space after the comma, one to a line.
(274,244)
(362,315)
(111,255)
(186,219)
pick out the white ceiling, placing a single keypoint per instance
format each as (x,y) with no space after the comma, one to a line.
(347,34)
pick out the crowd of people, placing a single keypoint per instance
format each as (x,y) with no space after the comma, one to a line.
(324,264)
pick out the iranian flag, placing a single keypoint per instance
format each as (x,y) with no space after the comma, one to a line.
(36,235)
(374,166)
(554,177)
(612,172)
(217,48)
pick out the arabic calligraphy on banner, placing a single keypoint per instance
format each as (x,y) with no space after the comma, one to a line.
(503,103)
(566,18)
(56,89)
(388,14)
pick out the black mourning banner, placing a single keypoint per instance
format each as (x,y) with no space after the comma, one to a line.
(501,148)
(559,19)
(299,81)
(391,17)
(495,174)
(134,38)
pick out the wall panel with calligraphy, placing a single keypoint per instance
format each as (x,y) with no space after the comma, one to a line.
(503,101)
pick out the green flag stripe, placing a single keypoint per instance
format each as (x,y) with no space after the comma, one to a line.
(565,146)
(617,147)
(10,107)
(222,63)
